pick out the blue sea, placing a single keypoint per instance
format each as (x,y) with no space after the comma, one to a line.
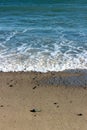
(43,35)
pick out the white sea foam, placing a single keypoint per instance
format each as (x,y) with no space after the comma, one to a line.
(43,63)
(42,54)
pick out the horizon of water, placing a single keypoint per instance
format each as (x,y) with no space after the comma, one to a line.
(37,35)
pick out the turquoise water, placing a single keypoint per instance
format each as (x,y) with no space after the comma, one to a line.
(37,35)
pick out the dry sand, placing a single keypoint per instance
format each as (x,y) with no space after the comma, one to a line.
(49,101)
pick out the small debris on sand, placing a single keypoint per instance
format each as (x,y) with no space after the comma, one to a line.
(10,85)
(80,114)
(35,110)
(1,105)
(34,87)
(55,103)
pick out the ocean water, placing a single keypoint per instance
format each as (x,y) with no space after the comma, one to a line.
(43,35)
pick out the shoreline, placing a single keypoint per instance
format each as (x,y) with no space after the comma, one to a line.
(61,78)
(43,101)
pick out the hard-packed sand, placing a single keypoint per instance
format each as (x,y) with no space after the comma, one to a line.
(43,101)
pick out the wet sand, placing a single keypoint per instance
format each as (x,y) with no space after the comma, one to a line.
(43,101)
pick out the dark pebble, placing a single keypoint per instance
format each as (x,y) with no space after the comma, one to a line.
(80,114)
(1,106)
(33,110)
(55,103)
(10,85)
(34,87)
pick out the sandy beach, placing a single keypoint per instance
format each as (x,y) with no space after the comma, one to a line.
(43,101)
